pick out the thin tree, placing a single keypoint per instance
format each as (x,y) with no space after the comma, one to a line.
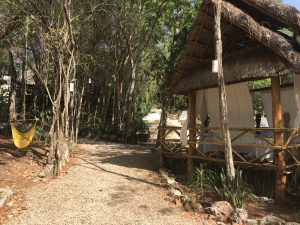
(222,94)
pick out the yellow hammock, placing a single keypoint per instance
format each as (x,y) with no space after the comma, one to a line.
(22,139)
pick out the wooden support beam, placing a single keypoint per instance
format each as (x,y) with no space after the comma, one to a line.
(205,30)
(280,177)
(192,59)
(192,134)
(197,44)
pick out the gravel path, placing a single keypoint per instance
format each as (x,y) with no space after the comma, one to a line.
(110,184)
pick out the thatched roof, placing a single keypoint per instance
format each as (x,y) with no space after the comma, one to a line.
(254,46)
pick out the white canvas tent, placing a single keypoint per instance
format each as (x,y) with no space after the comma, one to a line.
(290,103)
(240,112)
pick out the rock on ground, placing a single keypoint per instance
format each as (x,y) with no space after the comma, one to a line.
(221,209)
(110,184)
(239,215)
(271,220)
(5,196)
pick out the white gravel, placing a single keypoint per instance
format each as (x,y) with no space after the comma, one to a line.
(110,184)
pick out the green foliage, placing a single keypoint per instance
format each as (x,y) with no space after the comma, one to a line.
(92,124)
(256,97)
(287,32)
(43,127)
(236,193)
(287,79)
(260,83)
(139,127)
(203,177)
(179,103)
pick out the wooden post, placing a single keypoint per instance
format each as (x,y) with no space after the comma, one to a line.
(230,171)
(192,134)
(280,177)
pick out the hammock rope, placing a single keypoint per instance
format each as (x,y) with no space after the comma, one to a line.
(23,139)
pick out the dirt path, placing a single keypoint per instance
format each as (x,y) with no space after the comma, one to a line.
(110,184)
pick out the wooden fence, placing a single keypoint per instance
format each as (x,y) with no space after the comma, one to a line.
(261,153)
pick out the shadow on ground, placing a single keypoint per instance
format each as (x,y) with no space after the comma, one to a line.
(136,157)
(9,152)
(138,160)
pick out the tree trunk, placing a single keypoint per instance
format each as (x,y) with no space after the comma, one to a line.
(24,73)
(192,134)
(163,116)
(78,114)
(129,110)
(117,103)
(13,93)
(222,94)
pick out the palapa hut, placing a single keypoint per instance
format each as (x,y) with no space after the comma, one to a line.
(255,47)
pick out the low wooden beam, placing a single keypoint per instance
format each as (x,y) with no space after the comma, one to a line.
(280,177)
(192,134)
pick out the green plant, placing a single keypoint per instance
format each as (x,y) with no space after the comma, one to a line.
(237,193)
(203,177)
(43,127)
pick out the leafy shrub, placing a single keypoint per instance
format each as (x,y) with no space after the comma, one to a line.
(236,193)
(43,127)
(203,177)
(139,127)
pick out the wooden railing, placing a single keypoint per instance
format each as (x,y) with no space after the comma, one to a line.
(170,141)
(257,152)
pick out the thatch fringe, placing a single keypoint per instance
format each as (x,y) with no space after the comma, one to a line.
(272,40)
(286,14)
(249,64)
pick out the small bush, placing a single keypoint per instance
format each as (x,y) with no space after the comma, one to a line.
(203,177)
(236,193)
(43,127)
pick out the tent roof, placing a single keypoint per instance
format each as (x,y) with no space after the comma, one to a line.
(254,45)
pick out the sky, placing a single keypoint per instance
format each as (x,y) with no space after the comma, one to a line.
(295,3)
